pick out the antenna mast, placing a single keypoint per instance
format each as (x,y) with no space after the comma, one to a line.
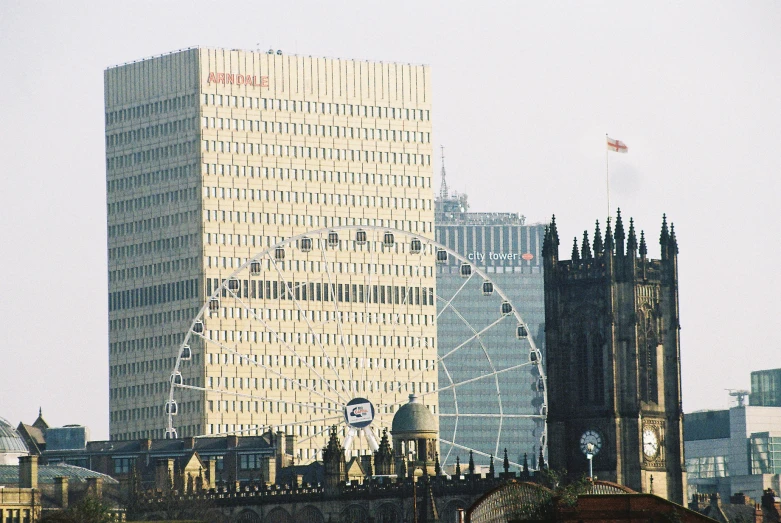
(443,187)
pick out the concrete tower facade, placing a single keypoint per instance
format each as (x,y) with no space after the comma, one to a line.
(613,355)
(213,155)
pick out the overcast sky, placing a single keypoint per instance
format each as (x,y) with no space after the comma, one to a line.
(523,94)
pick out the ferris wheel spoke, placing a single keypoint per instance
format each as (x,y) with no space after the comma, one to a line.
(476,334)
(285,344)
(331,362)
(318,433)
(339,325)
(253,360)
(465,382)
(447,304)
(365,371)
(476,451)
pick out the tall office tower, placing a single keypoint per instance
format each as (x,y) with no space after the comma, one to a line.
(212,156)
(509,251)
(614,374)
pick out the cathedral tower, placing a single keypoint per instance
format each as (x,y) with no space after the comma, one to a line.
(613,359)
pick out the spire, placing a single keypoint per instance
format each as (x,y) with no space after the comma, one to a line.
(458,467)
(437,466)
(598,246)
(608,239)
(506,462)
(575,253)
(643,247)
(664,238)
(443,186)
(554,232)
(619,234)
(673,240)
(333,451)
(491,470)
(540,460)
(631,242)
(525,463)
(585,252)
(471,463)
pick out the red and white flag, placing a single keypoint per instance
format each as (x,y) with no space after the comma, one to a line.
(616,145)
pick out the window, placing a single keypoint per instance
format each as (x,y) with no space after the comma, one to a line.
(123,465)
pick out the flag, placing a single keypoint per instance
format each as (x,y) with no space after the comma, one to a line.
(616,145)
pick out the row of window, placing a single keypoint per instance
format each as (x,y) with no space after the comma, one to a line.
(305,129)
(149,366)
(151,132)
(310,175)
(184,431)
(153,200)
(285,360)
(317,291)
(161,246)
(299,106)
(152,270)
(153,294)
(320,339)
(313,266)
(317,198)
(151,155)
(120,325)
(151,109)
(151,224)
(299,151)
(137,181)
(152,412)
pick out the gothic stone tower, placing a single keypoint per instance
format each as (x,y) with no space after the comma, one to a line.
(613,359)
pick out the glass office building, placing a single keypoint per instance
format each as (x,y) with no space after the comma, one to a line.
(509,251)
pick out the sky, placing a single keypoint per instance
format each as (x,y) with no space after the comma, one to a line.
(523,95)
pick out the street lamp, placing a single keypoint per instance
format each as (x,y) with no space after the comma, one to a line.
(590,458)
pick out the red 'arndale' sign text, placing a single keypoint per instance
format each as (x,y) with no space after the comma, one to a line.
(237,79)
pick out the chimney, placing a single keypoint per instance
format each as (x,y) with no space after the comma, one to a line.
(95,487)
(189,443)
(28,472)
(290,444)
(145,444)
(61,491)
(233,441)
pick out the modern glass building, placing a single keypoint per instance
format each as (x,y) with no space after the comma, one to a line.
(735,450)
(766,388)
(508,250)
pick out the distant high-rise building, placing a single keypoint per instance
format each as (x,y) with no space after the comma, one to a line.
(765,388)
(509,251)
(213,155)
(613,360)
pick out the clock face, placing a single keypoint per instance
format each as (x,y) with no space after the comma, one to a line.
(650,443)
(591,442)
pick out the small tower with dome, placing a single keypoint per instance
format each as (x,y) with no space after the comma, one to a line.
(415,434)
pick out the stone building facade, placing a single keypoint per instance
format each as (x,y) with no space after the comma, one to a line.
(613,355)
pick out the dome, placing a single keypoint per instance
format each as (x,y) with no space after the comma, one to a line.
(11,444)
(414,417)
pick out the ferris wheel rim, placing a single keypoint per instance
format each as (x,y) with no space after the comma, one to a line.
(430,244)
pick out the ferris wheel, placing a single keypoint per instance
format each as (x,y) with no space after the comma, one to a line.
(339,327)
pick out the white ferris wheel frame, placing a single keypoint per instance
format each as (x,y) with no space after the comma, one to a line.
(354,432)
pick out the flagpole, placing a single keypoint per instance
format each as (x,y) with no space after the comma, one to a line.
(607,174)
